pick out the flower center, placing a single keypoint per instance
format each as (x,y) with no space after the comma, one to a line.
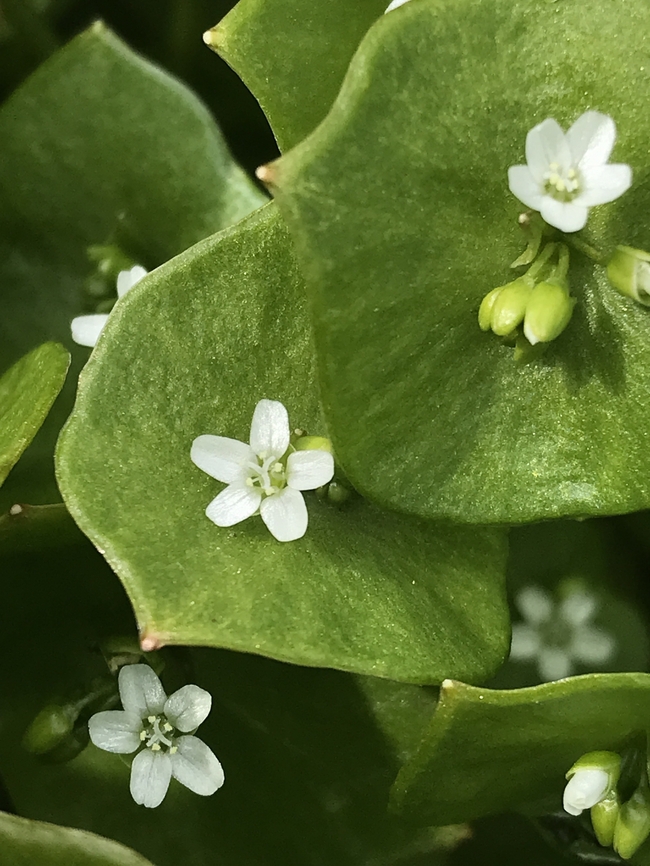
(560,183)
(267,474)
(158,734)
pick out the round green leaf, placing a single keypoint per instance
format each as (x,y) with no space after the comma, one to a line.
(27,391)
(400,208)
(25,843)
(191,351)
(489,751)
(97,144)
(293,55)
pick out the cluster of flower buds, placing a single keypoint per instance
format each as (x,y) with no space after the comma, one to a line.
(536,307)
(619,822)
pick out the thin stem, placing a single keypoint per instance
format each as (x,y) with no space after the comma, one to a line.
(540,261)
(586,249)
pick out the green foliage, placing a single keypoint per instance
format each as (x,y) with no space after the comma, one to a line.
(98,144)
(191,352)
(400,209)
(27,391)
(293,55)
(509,750)
(25,843)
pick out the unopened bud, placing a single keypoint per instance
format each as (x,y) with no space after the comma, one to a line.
(51,727)
(337,493)
(485,310)
(592,778)
(510,306)
(628,271)
(548,312)
(604,816)
(633,823)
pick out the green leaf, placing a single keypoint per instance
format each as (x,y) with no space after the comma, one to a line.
(490,751)
(27,392)
(307,769)
(293,55)
(191,351)
(97,144)
(400,209)
(25,843)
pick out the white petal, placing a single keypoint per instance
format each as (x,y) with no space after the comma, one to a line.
(307,470)
(141,691)
(285,514)
(151,774)
(395,4)
(86,329)
(578,607)
(188,707)
(584,789)
(604,183)
(565,216)
(546,144)
(554,664)
(196,766)
(525,644)
(115,731)
(234,504)
(591,139)
(592,646)
(270,428)
(222,458)
(523,185)
(534,604)
(127,279)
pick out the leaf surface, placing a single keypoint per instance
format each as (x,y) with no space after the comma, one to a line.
(191,351)
(27,392)
(403,221)
(293,55)
(97,145)
(489,751)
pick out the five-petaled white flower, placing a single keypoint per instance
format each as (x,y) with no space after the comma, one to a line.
(86,329)
(557,636)
(568,173)
(265,476)
(162,728)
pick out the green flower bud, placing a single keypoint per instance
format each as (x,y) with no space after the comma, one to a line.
(510,306)
(485,310)
(628,271)
(51,727)
(110,260)
(313,443)
(337,493)
(548,312)
(633,823)
(604,816)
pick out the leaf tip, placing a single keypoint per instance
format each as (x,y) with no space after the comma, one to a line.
(151,642)
(266,174)
(213,38)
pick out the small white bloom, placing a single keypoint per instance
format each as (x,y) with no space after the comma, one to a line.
(567,173)
(557,636)
(162,728)
(263,476)
(86,329)
(395,4)
(584,789)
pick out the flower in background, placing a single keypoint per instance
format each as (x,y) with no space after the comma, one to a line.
(395,4)
(567,173)
(558,636)
(86,329)
(265,476)
(161,728)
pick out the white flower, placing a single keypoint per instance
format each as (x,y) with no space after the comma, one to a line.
(395,4)
(263,476)
(568,173)
(557,636)
(161,727)
(584,789)
(86,329)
